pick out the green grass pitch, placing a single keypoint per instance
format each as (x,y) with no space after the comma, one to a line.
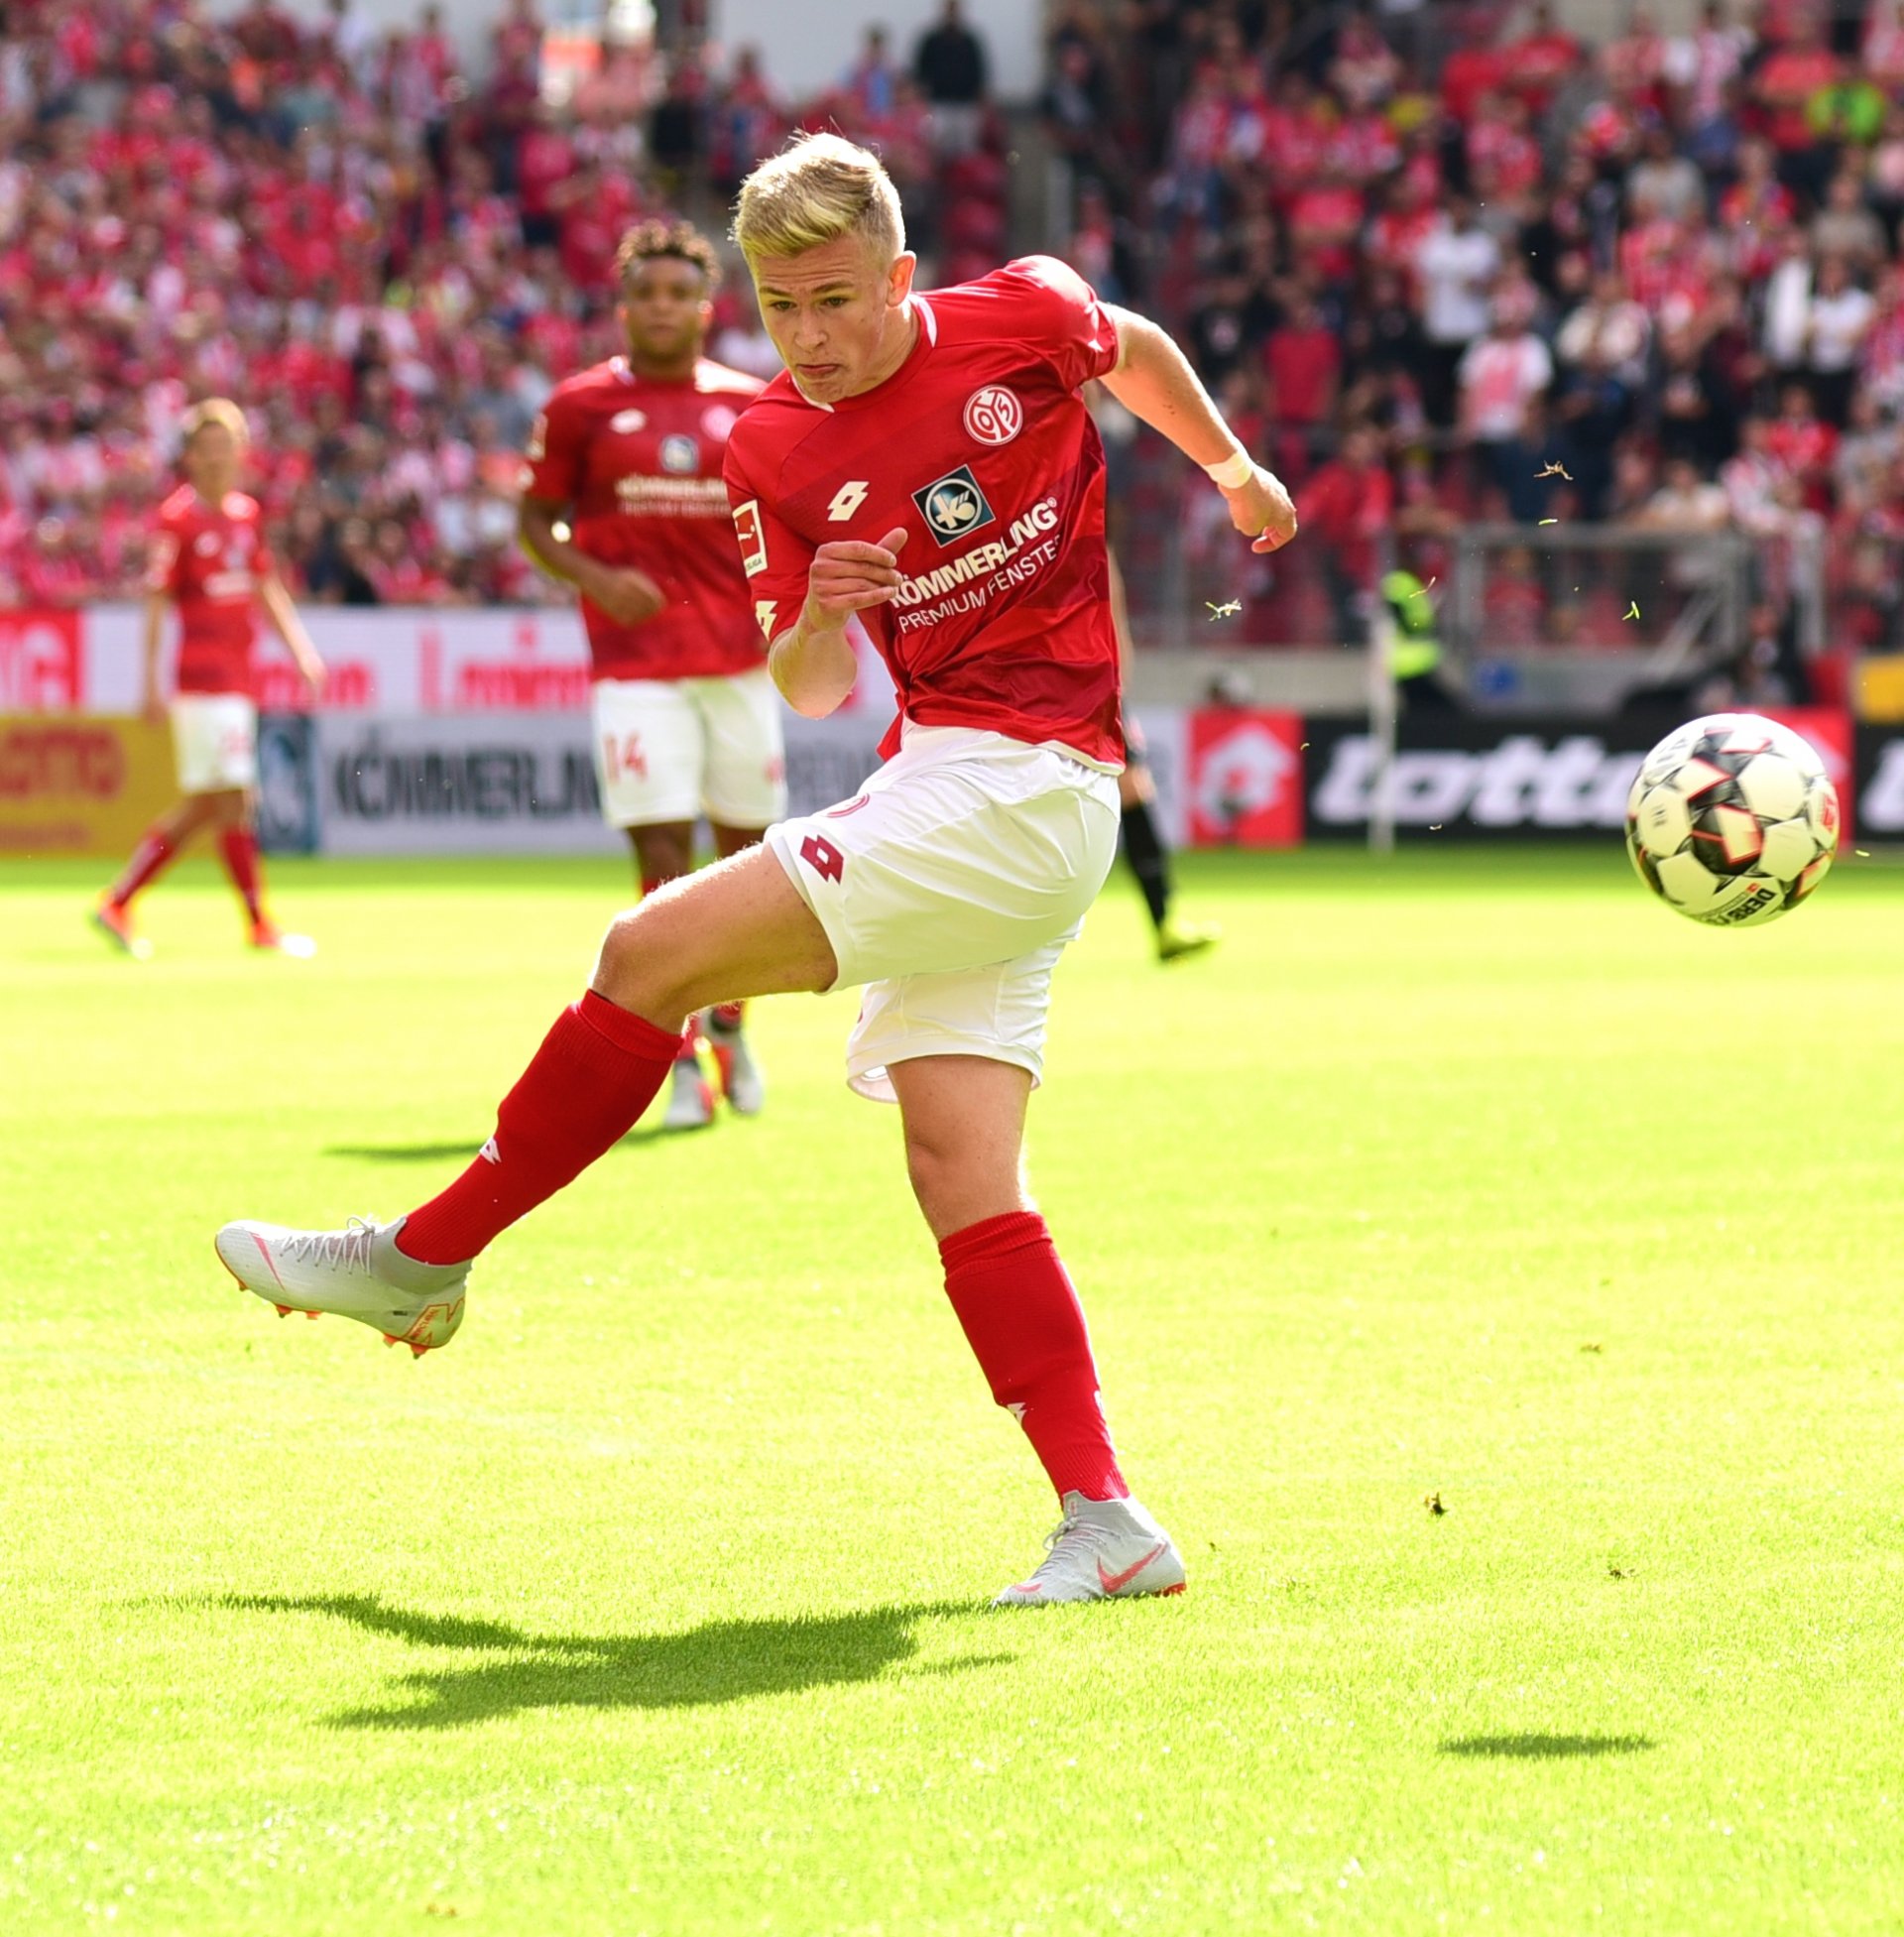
(655,1604)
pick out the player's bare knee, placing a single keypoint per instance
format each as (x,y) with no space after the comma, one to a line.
(645,959)
(958,1186)
(618,965)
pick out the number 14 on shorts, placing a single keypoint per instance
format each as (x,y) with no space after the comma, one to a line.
(623,757)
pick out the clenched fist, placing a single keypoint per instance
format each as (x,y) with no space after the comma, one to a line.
(849,575)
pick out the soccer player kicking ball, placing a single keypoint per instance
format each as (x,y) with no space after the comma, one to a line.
(926,461)
(210,559)
(686,719)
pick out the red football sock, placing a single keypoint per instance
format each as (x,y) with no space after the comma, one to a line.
(239,846)
(152,854)
(597,1070)
(1023,1319)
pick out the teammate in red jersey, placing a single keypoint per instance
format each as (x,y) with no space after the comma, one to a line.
(924,461)
(210,559)
(687,721)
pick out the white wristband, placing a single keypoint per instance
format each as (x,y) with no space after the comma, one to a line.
(1233,472)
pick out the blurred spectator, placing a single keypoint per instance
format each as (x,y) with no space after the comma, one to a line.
(1346,510)
(1302,361)
(1842,315)
(1457,263)
(1610,328)
(1845,226)
(1502,375)
(871,84)
(950,65)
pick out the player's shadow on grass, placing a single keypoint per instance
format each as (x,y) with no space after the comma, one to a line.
(720,1662)
(1540,1747)
(464,1152)
(404,1153)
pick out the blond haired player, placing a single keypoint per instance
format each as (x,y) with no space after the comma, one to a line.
(924,461)
(628,454)
(209,559)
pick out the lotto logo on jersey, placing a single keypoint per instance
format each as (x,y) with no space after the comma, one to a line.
(681,454)
(954,507)
(993,414)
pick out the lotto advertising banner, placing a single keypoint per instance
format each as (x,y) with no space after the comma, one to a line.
(76,786)
(1242,786)
(1514,778)
(1880,782)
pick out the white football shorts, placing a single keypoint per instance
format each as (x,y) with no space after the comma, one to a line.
(668,750)
(214,740)
(949,887)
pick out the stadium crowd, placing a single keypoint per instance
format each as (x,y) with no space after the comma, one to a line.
(1453,264)
(1442,264)
(390,261)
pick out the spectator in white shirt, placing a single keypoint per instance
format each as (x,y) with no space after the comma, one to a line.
(1840,315)
(1457,263)
(1501,374)
(1787,313)
(1610,324)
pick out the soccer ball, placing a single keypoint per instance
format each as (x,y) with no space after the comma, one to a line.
(1733,820)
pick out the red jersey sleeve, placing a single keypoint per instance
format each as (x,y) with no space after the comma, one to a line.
(774,559)
(557,441)
(1056,314)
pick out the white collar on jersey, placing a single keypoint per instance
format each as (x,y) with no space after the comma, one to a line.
(926,317)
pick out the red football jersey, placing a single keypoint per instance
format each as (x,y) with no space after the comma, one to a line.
(210,558)
(639,462)
(981,447)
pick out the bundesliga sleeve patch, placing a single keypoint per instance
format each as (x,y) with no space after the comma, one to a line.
(752,536)
(954,507)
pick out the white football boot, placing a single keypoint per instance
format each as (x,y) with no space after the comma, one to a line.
(357,1272)
(741,1080)
(1101,1550)
(690,1100)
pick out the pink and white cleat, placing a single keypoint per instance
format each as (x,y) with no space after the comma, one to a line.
(357,1272)
(1101,1550)
(690,1098)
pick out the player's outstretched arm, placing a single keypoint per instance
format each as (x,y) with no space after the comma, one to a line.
(153,704)
(1154,381)
(813,662)
(291,629)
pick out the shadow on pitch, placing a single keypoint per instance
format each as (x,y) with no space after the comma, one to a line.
(1545,1747)
(460,1153)
(722,1661)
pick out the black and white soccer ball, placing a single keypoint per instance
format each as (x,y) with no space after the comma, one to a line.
(1733,820)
